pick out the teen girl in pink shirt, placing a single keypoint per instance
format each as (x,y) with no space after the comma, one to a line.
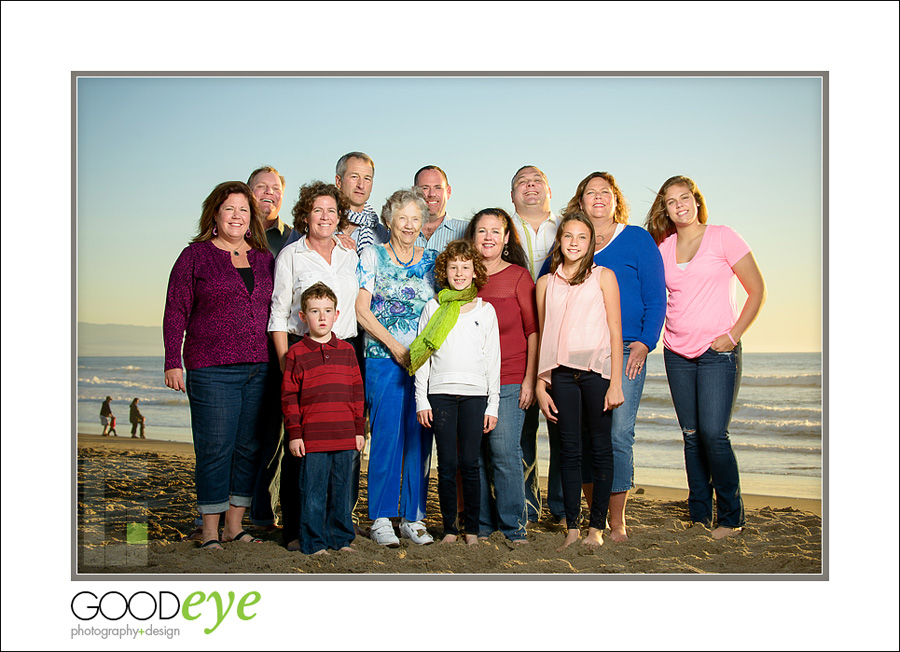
(702,342)
(580,366)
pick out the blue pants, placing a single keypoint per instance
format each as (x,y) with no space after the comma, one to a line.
(325,483)
(502,480)
(226,408)
(704,391)
(531,471)
(623,420)
(400,450)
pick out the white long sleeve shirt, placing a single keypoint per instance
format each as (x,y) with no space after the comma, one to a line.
(298,267)
(468,362)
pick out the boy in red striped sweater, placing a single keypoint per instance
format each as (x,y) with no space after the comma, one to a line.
(322,401)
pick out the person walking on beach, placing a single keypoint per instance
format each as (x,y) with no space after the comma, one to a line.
(536,226)
(107,418)
(702,342)
(437,229)
(136,418)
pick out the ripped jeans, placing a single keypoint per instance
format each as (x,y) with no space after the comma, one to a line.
(704,390)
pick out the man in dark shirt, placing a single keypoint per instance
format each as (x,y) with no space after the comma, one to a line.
(268,188)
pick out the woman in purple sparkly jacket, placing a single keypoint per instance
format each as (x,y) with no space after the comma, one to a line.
(218,305)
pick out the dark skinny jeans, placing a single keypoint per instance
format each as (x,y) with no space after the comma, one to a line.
(458,423)
(580,394)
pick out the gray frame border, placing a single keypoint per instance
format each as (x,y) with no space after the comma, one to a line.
(823,576)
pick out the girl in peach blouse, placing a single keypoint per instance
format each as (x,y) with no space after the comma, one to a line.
(580,366)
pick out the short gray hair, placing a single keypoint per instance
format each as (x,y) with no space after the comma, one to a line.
(400,199)
(341,168)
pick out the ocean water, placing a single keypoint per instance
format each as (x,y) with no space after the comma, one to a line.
(776,430)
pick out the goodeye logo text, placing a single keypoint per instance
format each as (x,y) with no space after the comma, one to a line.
(165,605)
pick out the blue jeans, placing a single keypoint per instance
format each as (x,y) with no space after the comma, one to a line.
(529,463)
(623,420)
(532,476)
(554,477)
(502,481)
(325,484)
(458,424)
(579,396)
(704,391)
(226,408)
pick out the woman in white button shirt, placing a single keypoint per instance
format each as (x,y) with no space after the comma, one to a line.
(319,255)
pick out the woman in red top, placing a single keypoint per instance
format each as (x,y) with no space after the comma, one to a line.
(511,291)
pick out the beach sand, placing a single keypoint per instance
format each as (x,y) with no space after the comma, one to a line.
(136,501)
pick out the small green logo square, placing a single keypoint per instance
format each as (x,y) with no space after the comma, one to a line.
(137,533)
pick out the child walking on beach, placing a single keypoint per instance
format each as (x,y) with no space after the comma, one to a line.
(456,362)
(580,366)
(322,400)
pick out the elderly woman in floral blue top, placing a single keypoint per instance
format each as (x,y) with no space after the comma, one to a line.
(396,281)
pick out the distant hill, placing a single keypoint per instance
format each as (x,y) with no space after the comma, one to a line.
(119,340)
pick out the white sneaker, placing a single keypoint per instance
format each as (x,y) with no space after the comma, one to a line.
(415,531)
(382,533)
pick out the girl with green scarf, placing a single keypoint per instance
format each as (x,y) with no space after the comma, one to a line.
(456,363)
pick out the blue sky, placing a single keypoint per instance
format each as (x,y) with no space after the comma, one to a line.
(150,149)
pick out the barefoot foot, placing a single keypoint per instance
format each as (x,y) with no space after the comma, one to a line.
(347,549)
(722,532)
(321,553)
(571,537)
(449,538)
(294,546)
(594,538)
(618,534)
(471,540)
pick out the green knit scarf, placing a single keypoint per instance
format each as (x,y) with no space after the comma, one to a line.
(439,326)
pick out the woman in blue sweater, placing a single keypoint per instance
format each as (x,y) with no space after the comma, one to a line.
(630,252)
